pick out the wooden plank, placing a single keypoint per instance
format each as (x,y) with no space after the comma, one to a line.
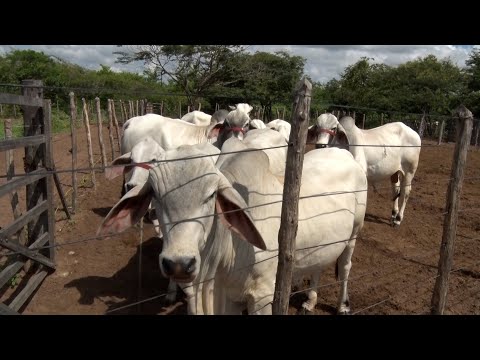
(291,191)
(21,142)
(17,224)
(8,272)
(22,181)
(33,255)
(463,134)
(20,100)
(73,132)
(33,283)
(6,310)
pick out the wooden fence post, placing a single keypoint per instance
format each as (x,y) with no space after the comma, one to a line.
(199,106)
(477,132)
(440,133)
(110,127)
(421,128)
(353,116)
(149,108)
(291,191)
(161,108)
(363,121)
(33,118)
(117,130)
(142,107)
(100,136)
(180,109)
(73,130)
(381,120)
(89,141)
(136,108)
(464,132)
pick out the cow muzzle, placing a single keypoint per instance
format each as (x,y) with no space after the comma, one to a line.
(181,269)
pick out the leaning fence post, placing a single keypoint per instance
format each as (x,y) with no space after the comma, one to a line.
(73,129)
(89,142)
(112,104)
(463,134)
(291,191)
(110,127)
(363,121)
(440,133)
(100,136)
(421,128)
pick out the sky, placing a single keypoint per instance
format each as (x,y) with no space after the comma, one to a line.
(324,62)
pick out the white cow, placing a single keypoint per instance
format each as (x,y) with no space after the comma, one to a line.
(197,117)
(282,126)
(236,123)
(397,162)
(257,124)
(231,258)
(259,139)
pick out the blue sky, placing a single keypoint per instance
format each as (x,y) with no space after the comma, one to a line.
(323,61)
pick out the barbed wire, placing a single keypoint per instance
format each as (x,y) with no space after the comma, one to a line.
(145,92)
(294,292)
(154,162)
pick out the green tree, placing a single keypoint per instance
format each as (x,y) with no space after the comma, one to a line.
(267,78)
(195,69)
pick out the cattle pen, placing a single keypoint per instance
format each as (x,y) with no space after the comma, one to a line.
(61,267)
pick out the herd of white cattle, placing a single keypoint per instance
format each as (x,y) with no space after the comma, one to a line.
(218,208)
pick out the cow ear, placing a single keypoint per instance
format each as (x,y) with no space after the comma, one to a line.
(341,137)
(311,134)
(113,172)
(214,131)
(128,211)
(229,205)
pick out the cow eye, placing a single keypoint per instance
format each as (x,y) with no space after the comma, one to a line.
(210,197)
(334,129)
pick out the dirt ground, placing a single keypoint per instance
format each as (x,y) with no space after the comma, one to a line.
(393,269)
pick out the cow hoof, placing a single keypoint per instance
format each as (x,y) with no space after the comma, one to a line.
(344,312)
(304,311)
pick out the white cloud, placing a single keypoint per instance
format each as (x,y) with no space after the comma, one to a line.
(324,62)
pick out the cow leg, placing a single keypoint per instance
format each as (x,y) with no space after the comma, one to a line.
(260,303)
(395,195)
(405,193)
(344,264)
(310,304)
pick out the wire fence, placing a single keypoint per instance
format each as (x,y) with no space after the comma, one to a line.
(156,162)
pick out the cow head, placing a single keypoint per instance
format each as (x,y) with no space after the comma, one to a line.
(132,164)
(326,132)
(187,193)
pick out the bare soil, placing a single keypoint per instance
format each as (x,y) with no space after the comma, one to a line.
(393,271)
